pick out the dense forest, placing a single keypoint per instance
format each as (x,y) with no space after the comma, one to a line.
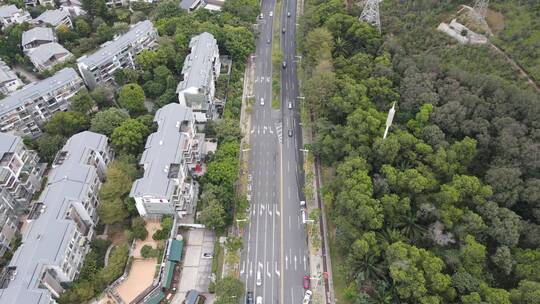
(445,209)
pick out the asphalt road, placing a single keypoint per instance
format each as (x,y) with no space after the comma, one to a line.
(295,258)
(275,248)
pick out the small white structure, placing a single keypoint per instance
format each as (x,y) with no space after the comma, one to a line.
(461,33)
(10,14)
(9,82)
(389,119)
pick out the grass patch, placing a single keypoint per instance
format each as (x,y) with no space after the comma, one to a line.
(217,261)
(338,275)
(277,57)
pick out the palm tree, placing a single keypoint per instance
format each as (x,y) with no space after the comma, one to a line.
(410,228)
(340,47)
(389,236)
(368,266)
(382,294)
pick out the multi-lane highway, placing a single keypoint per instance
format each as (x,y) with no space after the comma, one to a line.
(275,257)
(295,263)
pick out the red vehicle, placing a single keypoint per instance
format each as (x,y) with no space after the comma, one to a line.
(306,282)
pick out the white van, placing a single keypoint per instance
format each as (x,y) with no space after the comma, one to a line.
(259,300)
(259,278)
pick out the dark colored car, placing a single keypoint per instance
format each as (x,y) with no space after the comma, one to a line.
(249,297)
(290,133)
(306,282)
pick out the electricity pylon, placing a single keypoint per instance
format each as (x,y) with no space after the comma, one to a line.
(389,119)
(370,13)
(480,8)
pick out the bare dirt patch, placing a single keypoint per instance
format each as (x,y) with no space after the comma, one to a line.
(495,21)
(140,277)
(142,270)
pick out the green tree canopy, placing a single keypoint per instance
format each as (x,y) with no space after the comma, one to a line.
(130,136)
(67,123)
(106,121)
(132,98)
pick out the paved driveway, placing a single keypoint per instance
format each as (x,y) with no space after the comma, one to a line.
(196,270)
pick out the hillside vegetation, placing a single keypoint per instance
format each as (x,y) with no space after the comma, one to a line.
(445,209)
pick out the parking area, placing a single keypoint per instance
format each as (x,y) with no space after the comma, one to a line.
(196,269)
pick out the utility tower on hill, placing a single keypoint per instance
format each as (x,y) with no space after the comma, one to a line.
(370,13)
(480,8)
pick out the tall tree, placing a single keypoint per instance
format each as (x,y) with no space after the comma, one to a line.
(132,98)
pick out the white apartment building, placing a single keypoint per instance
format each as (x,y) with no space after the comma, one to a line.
(54,18)
(61,225)
(167,187)
(20,177)
(24,111)
(46,56)
(10,14)
(200,72)
(9,82)
(99,67)
(37,36)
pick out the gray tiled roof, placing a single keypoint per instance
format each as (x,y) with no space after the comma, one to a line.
(52,17)
(113,47)
(36,89)
(79,145)
(163,148)
(8,143)
(198,64)
(47,237)
(8,10)
(37,33)
(6,73)
(44,52)
(186,4)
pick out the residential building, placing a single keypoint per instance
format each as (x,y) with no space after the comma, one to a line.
(10,14)
(20,177)
(193,5)
(73,10)
(28,3)
(61,225)
(71,3)
(116,3)
(54,18)
(25,110)
(200,72)
(99,67)
(48,55)
(9,81)
(37,36)
(166,186)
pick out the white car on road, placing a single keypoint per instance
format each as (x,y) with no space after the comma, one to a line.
(271,14)
(262,101)
(307,297)
(259,278)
